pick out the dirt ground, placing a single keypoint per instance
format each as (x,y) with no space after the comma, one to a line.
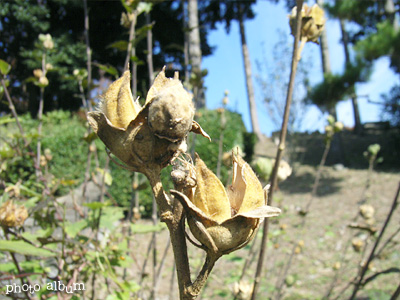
(324,262)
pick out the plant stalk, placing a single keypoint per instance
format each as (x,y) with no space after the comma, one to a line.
(274,176)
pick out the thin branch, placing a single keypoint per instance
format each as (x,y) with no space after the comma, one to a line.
(372,253)
(396,294)
(281,147)
(387,271)
(160,267)
(13,111)
(88,54)
(131,37)
(387,242)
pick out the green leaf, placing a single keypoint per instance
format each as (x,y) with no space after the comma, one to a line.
(108,69)
(72,229)
(144,7)
(24,248)
(119,296)
(119,45)
(4,67)
(6,119)
(27,266)
(107,176)
(90,137)
(110,215)
(96,205)
(38,235)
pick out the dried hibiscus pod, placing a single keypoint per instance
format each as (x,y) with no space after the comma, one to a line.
(225,220)
(148,135)
(12,215)
(312,23)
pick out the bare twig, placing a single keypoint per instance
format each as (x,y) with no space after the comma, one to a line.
(387,271)
(160,267)
(387,242)
(40,117)
(13,111)
(88,54)
(372,253)
(281,148)
(131,37)
(396,294)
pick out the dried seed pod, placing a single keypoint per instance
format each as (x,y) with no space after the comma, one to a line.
(12,215)
(312,24)
(224,221)
(367,211)
(135,134)
(171,113)
(357,244)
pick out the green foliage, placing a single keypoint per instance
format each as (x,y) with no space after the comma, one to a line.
(233,136)
(391,108)
(336,88)
(4,67)
(25,248)
(379,43)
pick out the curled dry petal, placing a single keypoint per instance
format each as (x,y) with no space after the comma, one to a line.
(224,221)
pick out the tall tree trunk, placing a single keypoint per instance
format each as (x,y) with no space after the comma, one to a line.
(356,111)
(326,64)
(390,12)
(249,81)
(195,51)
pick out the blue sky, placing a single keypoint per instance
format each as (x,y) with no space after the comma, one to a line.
(226,71)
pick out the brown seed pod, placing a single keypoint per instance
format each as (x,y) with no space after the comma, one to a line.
(224,221)
(145,136)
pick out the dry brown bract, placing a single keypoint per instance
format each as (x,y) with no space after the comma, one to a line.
(12,215)
(225,220)
(148,135)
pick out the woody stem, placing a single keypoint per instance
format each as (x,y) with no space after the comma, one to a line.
(171,213)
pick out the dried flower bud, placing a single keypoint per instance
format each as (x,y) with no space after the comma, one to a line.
(312,24)
(38,73)
(12,215)
(357,244)
(47,41)
(264,166)
(43,81)
(126,19)
(47,154)
(337,265)
(143,136)
(43,161)
(14,190)
(225,220)
(242,290)
(367,211)
(338,126)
